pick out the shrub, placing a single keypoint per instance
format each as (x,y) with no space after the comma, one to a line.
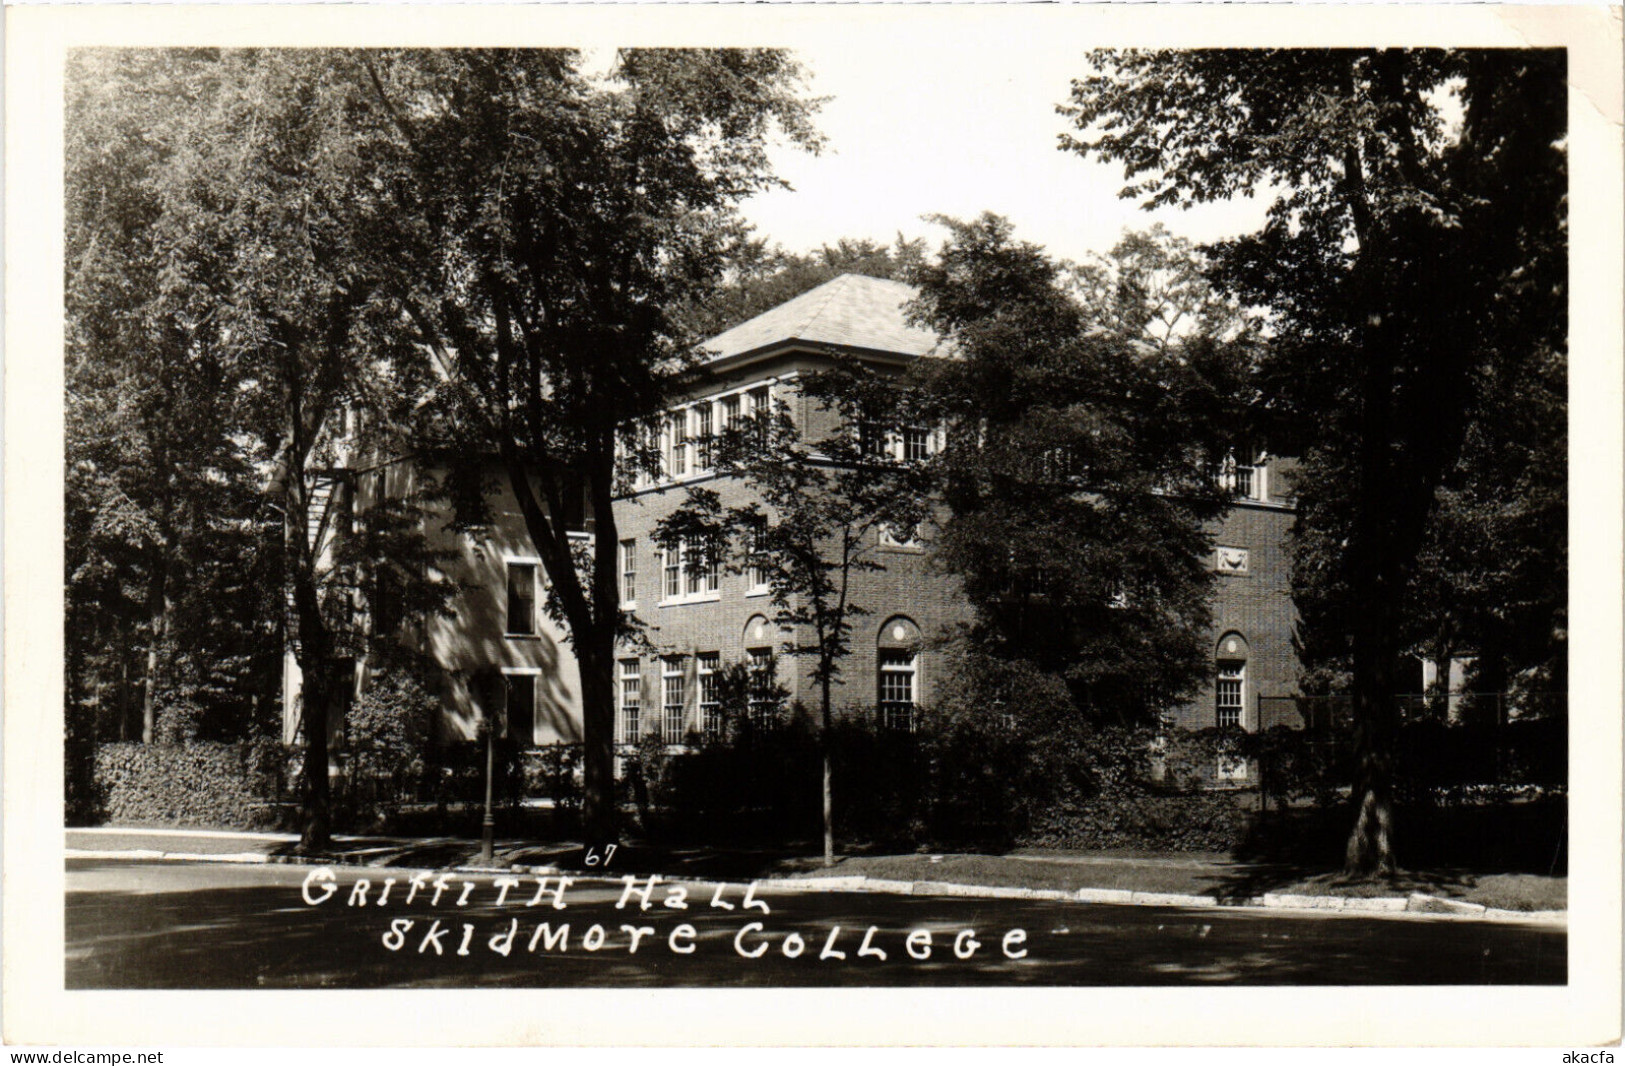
(553,772)
(204,783)
(386,733)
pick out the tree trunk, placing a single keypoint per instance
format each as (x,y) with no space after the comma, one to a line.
(1370,844)
(824,747)
(1375,575)
(314,787)
(158,616)
(316,687)
(598,808)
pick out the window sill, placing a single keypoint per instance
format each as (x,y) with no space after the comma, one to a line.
(753,593)
(521,636)
(709,597)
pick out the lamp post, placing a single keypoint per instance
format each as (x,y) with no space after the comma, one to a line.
(487,823)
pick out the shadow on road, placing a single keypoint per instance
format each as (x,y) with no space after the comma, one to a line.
(177,926)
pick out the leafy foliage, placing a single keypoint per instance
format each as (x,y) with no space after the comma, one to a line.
(227,306)
(544,227)
(159,488)
(1414,256)
(1076,476)
(198,784)
(386,735)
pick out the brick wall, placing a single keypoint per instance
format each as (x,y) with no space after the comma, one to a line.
(1252,606)
(1255,607)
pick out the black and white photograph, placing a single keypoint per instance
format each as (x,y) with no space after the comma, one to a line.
(1044,508)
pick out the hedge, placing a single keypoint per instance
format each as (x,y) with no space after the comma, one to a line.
(201,783)
(1214,821)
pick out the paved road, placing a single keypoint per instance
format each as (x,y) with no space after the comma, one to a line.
(184,925)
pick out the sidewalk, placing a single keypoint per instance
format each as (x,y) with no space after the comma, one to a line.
(1194,880)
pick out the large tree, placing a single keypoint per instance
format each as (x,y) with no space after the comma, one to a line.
(249,315)
(546,228)
(1077,475)
(160,485)
(1415,240)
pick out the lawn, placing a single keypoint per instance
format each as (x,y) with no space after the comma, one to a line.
(1204,875)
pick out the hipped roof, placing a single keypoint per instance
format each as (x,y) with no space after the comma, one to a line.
(852,311)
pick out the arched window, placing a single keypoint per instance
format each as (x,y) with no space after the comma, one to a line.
(898,672)
(1230,682)
(764,691)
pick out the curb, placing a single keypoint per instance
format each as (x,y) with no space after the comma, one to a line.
(239,857)
(1415,905)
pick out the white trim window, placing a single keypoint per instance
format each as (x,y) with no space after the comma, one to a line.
(702,437)
(905,444)
(897,676)
(755,573)
(874,442)
(916,444)
(523,576)
(693,570)
(671,572)
(687,576)
(685,438)
(1243,481)
(673,699)
(707,667)
(677,444)
(1230,694)
(629,572)
(631,700)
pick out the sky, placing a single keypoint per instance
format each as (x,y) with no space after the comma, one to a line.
(957,128)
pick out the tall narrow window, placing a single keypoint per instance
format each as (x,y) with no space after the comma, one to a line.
(672,570)
(762,678)
(706,666)
(521,709)
(759,400)
(756,572)
(730,412)
(712,566)
(629,572)
(896,688)
(631,701)
(872,440)
(654,443)
(702,437)
(672,699)
(702,568)
(916,444)
(1229,690)
(521,599)
(693,570)
(677,466)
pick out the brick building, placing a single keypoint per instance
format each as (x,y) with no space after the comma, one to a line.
(498,651)
(698,621)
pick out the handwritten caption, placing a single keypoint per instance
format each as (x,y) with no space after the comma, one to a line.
(750,940)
